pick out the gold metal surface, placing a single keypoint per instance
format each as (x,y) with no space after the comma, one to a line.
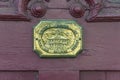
(57,38)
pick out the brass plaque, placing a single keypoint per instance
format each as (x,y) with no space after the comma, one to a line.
(57,38)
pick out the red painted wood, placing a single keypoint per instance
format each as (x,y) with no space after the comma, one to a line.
(113,75)
(107,10)
(14,10)
(92,75)
(101,48)
(59,75)
(11,75)
(58,4)
(100,75)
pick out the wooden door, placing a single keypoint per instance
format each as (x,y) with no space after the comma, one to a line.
(99,60)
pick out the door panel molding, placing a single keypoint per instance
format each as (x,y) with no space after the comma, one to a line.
(13,10)
(104,10)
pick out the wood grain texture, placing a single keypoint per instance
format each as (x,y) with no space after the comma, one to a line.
(100,75)
(92,75)
(59,75)
(100,59)
(101,46)
(113,75)
(18,75)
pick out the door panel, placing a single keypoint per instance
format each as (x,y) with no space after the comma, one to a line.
(18,75)
(13,10)
(100,40)
(59,75)
(113,75)
(92,75)
(99,75)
